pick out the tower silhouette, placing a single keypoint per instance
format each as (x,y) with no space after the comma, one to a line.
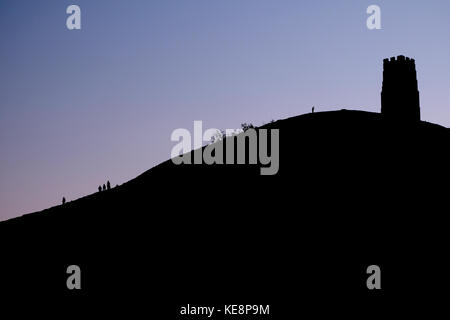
(400,94)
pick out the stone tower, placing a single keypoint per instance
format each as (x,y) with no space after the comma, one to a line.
(400,95)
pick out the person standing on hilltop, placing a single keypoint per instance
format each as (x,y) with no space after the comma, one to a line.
(108,185)
(104,187)
(63,200)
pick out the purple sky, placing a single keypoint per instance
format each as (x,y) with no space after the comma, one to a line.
(80,107)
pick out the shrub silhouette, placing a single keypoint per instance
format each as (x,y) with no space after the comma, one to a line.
(245,126)
(99,188)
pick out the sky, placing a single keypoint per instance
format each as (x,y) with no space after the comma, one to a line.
(80,107)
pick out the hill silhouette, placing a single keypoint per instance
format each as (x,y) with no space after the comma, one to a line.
(335,146)
(353,189)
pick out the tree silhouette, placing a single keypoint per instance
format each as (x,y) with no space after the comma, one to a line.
(104,187)
(108,185)
(63,200)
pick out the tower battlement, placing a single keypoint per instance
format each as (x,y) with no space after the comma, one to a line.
(399,60)
(400,94)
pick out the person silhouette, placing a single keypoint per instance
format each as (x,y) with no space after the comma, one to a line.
(99,188)
(104,187)
(312,110)
(108,185)
(63,200)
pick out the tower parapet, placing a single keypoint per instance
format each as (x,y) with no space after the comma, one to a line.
(400,94)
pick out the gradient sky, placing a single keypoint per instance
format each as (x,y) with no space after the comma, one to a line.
(80,107)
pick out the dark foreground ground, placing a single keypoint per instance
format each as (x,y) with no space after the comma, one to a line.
(352,190)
